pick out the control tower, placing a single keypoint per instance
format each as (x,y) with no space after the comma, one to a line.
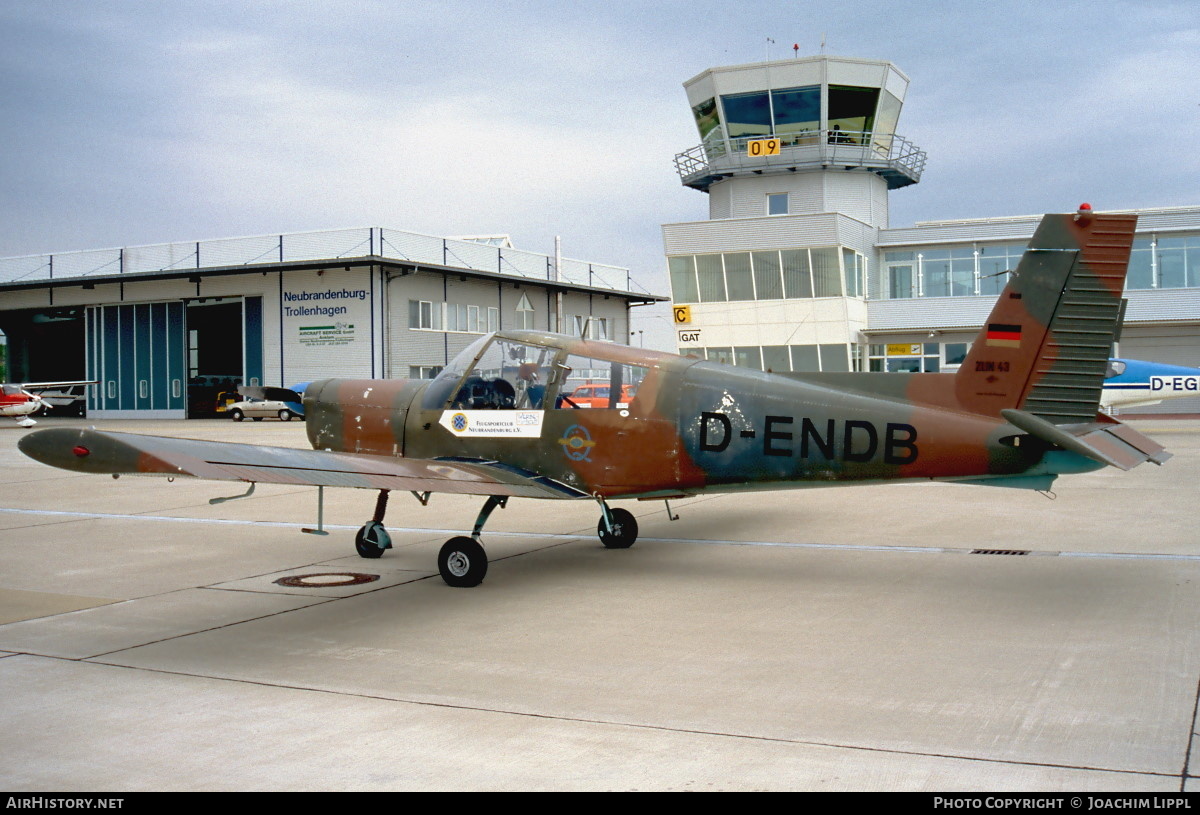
(797,158)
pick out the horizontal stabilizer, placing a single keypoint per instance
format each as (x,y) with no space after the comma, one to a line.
(1111,443)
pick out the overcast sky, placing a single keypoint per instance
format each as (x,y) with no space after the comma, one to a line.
(126,123)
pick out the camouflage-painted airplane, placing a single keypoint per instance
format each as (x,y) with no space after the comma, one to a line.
(499,420)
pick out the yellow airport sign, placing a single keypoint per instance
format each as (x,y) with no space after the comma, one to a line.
(683,315)
(762,147)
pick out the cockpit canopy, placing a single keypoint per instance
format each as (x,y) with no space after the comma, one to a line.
(528,371)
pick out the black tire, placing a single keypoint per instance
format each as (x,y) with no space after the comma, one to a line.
(624,530)
(372,539)
(462,562)
(285,415)
(236,415)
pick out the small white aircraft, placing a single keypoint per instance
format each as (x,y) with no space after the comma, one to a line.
(1132,382)
(21,400)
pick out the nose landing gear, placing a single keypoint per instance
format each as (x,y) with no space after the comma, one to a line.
(372,539)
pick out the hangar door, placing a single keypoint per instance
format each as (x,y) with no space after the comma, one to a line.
(170,360)
(137,354)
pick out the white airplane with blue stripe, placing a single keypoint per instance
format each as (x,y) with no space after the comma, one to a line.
(1134,382)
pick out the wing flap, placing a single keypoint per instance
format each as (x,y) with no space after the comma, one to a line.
(96,451)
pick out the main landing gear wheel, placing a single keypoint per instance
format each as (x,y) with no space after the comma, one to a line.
(624,529)
(462,562)
(372,539)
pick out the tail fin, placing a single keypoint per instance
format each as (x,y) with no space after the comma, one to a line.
(1045,346)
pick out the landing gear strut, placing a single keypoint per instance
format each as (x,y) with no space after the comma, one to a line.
(372,539)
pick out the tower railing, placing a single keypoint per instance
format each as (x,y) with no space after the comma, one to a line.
(892,156)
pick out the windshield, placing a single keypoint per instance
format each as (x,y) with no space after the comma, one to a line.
(498,375)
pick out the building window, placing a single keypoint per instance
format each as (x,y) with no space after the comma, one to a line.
(723,355)
(747,114)
(854,266)
(852,111)
(524,313)
(708,120)
(777,203)
(797,111)
(776,274)
(1178,262)
(592,328)
(459,318)
(996,263)
(683,279)
(493,319)
(776,359)
(425,314)
(423,371)
(748,357)
(916,357)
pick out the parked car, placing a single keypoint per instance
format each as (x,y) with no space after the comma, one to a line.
(260,403)
(596,396)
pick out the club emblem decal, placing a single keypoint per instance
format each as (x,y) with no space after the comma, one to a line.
(577,443)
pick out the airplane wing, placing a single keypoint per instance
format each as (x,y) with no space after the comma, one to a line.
(96,451)
(41,386)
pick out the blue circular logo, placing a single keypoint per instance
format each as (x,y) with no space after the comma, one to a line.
(577,443)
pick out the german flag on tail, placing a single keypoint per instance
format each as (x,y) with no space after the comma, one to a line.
(1003,335)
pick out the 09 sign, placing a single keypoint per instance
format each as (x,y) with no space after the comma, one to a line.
(762,147)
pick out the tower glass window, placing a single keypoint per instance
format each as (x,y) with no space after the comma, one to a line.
(708,120)
(797,110)
(852,110)
(777,203)
(747,114)
(885,121)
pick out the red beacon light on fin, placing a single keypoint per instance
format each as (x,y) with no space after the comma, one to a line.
(1084,214)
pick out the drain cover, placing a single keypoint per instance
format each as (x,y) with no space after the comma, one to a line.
(326,579)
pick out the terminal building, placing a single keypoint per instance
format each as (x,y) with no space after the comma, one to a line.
(797,269)
(165,328)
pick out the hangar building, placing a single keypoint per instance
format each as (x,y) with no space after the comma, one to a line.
(796,267)
(165,328)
